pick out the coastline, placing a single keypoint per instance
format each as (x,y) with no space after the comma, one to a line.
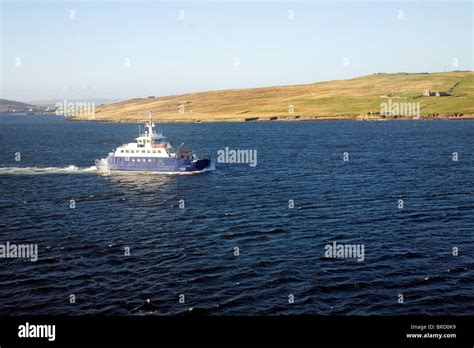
(280,119)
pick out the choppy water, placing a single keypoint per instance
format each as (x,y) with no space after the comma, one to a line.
(191,251)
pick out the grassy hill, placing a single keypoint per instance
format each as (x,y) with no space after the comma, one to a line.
(353,98)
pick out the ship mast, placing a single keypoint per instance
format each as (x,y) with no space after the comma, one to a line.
(150,125)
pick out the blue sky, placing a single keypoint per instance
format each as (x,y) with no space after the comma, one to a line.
(220,45)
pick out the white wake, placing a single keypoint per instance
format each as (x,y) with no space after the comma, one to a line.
(45,170)
(77,170)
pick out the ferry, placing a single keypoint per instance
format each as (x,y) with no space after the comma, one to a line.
(152,153)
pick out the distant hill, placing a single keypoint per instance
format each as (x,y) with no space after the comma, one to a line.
(354,98)
(20,107)
(52,102)
(6,105)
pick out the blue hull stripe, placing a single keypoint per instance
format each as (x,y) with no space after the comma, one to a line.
(161,164)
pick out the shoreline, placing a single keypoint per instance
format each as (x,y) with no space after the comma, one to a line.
(285,119)
(265,119)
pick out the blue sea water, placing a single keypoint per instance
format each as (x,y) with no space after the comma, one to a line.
(191,251)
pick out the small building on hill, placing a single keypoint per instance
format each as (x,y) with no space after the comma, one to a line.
(430,93)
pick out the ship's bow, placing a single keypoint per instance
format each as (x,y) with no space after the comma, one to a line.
(202,164)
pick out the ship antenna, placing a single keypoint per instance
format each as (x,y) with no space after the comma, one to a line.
(139,131)
(150,124)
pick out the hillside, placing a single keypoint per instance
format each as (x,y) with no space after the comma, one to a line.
(12,106)
(354,98)
(6,105)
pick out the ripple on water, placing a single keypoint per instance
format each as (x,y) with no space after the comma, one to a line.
(281,249)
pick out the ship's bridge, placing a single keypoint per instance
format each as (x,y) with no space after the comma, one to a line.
(152,141)
(146,139)
(149,143)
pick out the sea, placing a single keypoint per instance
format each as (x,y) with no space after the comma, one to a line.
(240,239)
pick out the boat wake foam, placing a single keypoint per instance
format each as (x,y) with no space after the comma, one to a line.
(122,172)
(210,168)
(77,170)
(46,170)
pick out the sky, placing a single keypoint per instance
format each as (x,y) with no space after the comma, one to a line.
(132,49)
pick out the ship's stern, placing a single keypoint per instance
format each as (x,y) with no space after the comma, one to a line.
(102,164)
